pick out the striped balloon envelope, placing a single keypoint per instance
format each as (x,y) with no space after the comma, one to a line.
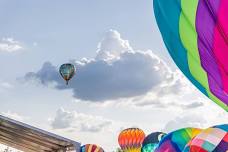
(91,148)
(177,140)
(214,139)
(195,33)
(131,139)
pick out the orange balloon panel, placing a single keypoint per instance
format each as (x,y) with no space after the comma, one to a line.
(131,139)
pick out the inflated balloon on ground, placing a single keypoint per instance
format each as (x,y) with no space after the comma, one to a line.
(151,141)
(131,139)
(195,33)
(214,139)
(91,148)
(177,140)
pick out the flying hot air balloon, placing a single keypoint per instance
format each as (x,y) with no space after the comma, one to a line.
(177,140)
(151,141)
(214,139)
(91,148)
(130,140)
(195,33)
(67,71)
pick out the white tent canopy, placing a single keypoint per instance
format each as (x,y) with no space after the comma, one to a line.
(30,139)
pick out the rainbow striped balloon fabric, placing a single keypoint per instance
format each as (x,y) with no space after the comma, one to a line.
(177,140)
(195,33)
(214,139)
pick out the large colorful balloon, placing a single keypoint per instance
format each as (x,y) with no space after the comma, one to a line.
(195,33)
(91,148)
(213,139)
(177,140)
(67,71)
(131,139)
(151,141)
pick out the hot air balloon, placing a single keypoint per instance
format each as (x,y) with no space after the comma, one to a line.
(151,141)
(195,33)
(91,148)
(214,139)
(67,71)
(177,140)
(130,140)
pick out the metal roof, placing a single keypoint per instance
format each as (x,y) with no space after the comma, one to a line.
(30,139)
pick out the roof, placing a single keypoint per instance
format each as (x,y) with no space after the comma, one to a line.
(30,139)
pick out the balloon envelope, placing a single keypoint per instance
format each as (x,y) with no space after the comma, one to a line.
(149,148)
(214,139)
(67,71)
(91,148)
(195,33)
(130,140)
(177,140)
(151,141)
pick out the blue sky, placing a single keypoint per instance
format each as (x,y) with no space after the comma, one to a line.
(73,29)
(123,70)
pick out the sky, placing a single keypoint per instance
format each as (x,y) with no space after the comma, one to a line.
(124,78)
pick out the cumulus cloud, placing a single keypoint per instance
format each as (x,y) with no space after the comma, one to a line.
(176,93)
(194,105)
(73,120)
(118,71)
(48,73)
(112,46)
(186,120)
(160,103)
(203,117)
(10,45)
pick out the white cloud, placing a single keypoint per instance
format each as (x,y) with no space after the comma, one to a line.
(203,117)
(72,120)
(184,121)
(10,45)
(116,72)
(112,46)
(13,115)
(175,93)
(6,85)
(176,101)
